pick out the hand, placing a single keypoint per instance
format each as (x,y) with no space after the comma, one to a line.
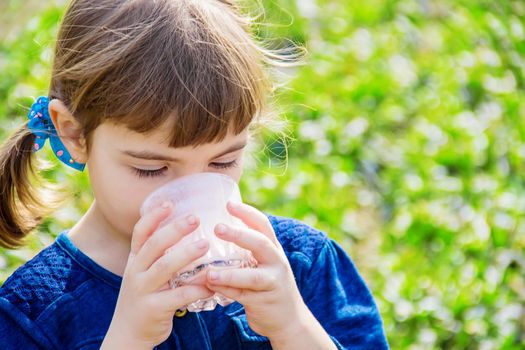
(268,293)
(145,307)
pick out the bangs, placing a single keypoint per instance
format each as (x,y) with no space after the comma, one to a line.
(193,67)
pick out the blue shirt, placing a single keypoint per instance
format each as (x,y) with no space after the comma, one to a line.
(61,299)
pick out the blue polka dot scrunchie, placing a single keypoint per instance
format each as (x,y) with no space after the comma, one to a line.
(42,127)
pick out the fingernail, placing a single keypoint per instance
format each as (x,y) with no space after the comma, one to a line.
(214,275)
(221,229)
(165,205)
(191,219)
(200,244)
(234,205)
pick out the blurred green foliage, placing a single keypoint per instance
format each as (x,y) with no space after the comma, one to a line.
(409,149)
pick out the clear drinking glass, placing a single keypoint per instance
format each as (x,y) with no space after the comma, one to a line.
(204,195)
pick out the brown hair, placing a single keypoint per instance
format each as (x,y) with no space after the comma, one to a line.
(138,63)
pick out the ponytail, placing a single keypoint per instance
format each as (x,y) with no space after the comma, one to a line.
(21,207)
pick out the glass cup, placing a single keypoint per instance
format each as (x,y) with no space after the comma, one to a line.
(204,195)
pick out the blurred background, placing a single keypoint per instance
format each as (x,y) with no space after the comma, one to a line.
(408,149)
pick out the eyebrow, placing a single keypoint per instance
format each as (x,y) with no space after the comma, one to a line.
(155,156)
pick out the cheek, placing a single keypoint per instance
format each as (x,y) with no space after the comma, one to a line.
(236,172)
(118,193)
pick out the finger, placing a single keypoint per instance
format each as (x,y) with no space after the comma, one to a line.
(147,224)
(179,297)
(262,248)
(243,296)
(253,218)
(252,279)
(172,262)
(164,238)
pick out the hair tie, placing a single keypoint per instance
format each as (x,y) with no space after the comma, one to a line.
(42,127)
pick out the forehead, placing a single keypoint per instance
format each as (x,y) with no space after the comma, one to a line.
(110,135)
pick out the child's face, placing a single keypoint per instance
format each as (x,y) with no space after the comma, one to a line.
(125,166)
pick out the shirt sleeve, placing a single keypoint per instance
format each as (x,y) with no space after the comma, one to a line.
(340,300)
(19,332)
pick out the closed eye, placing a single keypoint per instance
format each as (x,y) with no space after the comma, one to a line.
(226,165)
(149,172)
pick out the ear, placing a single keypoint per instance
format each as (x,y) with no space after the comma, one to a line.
(69,130)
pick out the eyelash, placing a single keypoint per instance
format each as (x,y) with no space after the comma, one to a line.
(158,172)
(148,173)
(227,165)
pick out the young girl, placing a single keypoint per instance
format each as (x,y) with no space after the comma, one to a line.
(143,92)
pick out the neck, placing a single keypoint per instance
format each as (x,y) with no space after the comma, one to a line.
(96,238)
